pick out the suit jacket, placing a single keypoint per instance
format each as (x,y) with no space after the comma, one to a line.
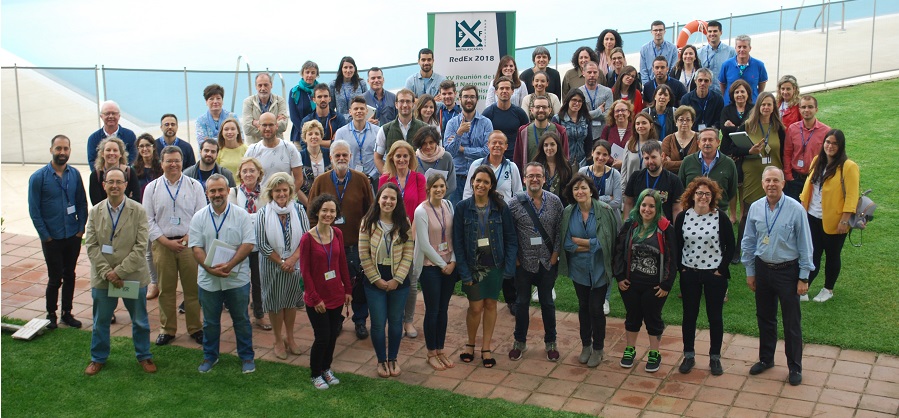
(129,257)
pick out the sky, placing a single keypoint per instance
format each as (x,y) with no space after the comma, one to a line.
(210,35)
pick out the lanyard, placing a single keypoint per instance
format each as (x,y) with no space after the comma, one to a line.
(542,208)
(592,97)
(329,250)
(284,226)
(326,121)
(378,103)
(441,219)
(802,136)
(403,187)
(115,222)
(653,184)
(63,183)
(177,191)
(659,52)
(346,184)
(474,122)
(776,215)
(200,174)
(224,218)
(706,169)
(767,133)
(710,57)
(388,242)
(499,174)
(356,136)
(704,105)
(601,184)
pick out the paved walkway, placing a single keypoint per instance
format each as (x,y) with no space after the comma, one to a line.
(836,383)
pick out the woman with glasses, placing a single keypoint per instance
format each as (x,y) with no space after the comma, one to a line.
(575,117)
(682,142)
(626,87)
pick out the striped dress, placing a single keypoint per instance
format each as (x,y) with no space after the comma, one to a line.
(280,290)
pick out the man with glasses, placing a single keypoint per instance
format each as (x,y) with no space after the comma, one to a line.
(742,66)
(109,115)
(711,163)
(465,138)
(599,97)
(657,47)
(404,127)
(528,139)
(171,202)
(707,103)
(713,54)
(169,126)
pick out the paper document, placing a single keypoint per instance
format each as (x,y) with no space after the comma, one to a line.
(219,252)
(432,171)
(129,290)
(617,152)
(742,140)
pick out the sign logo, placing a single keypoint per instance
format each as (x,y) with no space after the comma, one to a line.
(470,35)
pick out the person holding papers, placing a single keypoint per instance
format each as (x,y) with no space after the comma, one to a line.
(116,242)
(221,238)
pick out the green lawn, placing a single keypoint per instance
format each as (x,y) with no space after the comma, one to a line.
(865,309)
(45,377)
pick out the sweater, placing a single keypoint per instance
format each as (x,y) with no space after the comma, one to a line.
(356,199)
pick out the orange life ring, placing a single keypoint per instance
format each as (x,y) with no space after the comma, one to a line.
(689,29)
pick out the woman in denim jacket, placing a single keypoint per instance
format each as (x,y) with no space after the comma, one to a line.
(486,246)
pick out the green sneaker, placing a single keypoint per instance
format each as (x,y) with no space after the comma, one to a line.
(627,360)
(655,360)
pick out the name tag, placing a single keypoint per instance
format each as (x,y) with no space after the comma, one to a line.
(358,167)
(766,240)
(330,275)
(800,163)
(175,220)
(106,249)
(483,242)
(339,221)
(597,123)
(702,126)
(70,210)
(766,160)
(442,246)
(537,241)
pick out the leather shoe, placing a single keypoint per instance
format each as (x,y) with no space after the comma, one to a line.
(164,339)
(70,320)
(198,337)
(361,331)
(795,378)
(148,365)
(760,367)
(152,291)
(93,368)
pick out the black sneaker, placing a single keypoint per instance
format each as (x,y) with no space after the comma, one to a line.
(715,367)
(53,319)
(627,359)
(198,337)
(181,308)
(70,320)
(795,378)
(760,367)
(687,365)
(654,361)
(361,331)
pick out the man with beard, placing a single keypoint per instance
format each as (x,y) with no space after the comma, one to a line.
(354,194)
(654,176)
(660,76)
(803,143)
(538,220)
(169,126)
(425,81)
(57,204)
(109,115)
(599,97)
(403,128)
(707,103)
(277,155)
(504,116)
(223,282)
(331,120)
(465,138)
(382,100)
(529,135)
(209,151)
(263,101)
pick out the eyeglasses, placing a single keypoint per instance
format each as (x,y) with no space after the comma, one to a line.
(172,162)
(684,120)
(621,110)
(573,101)
(115,182)
(534,176)
(540,107)
(145,146)
(703,80)
(110,113)
(703,194)
(466,97)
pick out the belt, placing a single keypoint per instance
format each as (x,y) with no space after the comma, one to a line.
(176,238)
(700,270)
(778,266)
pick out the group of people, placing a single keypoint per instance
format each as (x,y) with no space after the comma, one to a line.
(424,191)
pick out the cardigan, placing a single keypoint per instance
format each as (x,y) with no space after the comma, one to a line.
(725,239)
(400,254)
(607,224)
(671,148)
(835,200)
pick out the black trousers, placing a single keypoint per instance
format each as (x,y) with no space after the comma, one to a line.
(255,286)
(829,245)
(643,307)
(61,256)
(693,283)
(326,328)
(771,287)
(590,316)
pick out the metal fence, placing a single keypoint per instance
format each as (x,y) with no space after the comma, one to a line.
(819,44)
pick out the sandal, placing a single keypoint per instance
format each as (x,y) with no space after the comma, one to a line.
(488,362)
(445,361)
(263,325)
(382,370)
(280,354)
(435,363)
(394,369)
(467,357)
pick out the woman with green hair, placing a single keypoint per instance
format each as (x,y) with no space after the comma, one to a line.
(645,266)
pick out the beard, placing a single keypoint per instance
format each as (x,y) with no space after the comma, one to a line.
(60,159)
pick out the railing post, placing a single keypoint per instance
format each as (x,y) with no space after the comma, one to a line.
(97,85)
(780,31)
(843,16)
(236,74)
(187,104)
(557,54)
(873,20)
(249,82)
(103,76)
(730,30)
(19,111)
(826,40)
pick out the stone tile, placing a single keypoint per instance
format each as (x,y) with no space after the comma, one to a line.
(656,414)
(474,389)
(879,388)
(620,411)
(836,381)
(813,378)
(535,367)
(802,392)
(461,371)
(630,399)
(726,381)
(521,381)
(879,404)
(668,405)
(582,406)
(354,355)
(755,401)
(839,397)
(851,368)
(716,395)
(678,390)
(570,373)
(888,360)
(823,410)
(872,414)
(547,401)
(793,407)
(593,393)
(640,384)
(409,378)
(704,410)
(490,376)
(767,387)
(510,394)
(15,286)
(695,377)
(818,364)
(818,350)
(884,373)
(440,382)
(562,388)
(605,378)
(858,356)
(735,412)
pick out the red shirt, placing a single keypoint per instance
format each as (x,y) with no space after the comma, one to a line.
(414,193)
(794,152)
(314,266)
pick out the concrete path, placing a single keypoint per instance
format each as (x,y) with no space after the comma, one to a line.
(836,382)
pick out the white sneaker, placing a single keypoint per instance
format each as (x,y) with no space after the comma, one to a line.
(803,298)
(319,383)
(554,293)
(605,308)
(823,296)
(534,297)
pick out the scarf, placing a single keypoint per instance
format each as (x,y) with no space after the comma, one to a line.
(273,230)
(251,197)
(433,158)
(295,91)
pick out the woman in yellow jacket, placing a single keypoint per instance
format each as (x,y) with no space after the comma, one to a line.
(830,196)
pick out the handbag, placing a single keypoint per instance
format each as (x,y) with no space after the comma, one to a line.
(864,211)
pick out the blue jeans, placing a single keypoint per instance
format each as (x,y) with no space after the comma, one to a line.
(456,197)
(236,300)
(386,308)
(437,289)
(104,306)
(360,306)
(544,280)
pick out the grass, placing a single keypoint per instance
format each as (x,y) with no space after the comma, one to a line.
(865,309)
(44,377)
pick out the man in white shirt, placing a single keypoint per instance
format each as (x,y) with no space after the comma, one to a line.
(277,155)
(171,202)
(508,178)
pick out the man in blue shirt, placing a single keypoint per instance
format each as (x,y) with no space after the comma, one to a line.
(331,120)
(109,115)
(660,76)
(658,46)
(382,100)
(465,137)
(707,103)
(169,125)
(713,54)
(57,204)
(447,108)
(777,254)
(742,66)
(426,81)
(363,134)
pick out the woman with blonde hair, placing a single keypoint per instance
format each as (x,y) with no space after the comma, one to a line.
(231,146)
(788,100)
(111,153)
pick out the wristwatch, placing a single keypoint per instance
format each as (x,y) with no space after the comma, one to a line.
(804,280)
